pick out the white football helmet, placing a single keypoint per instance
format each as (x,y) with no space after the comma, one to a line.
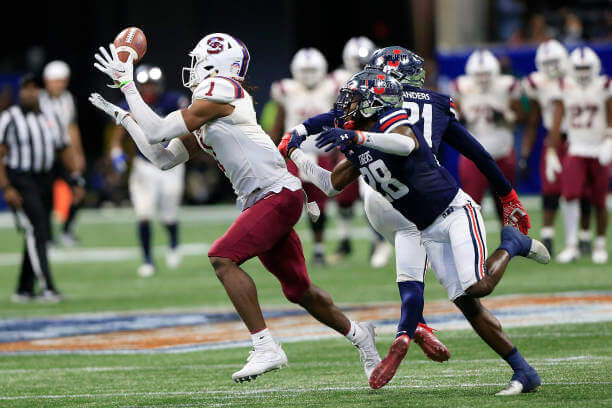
(483,66)
(357,53)
(309,67)
(551,59)
(585,65)
(56,70)
(216,54)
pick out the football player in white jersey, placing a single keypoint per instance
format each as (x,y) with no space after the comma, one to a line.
(587,104)
(308,93)
(488,102)
(543,88)
(57,98)
(355,55)
(221,121)
(153,190)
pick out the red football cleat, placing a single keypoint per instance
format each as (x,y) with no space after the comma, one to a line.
(385,370)
(433,348)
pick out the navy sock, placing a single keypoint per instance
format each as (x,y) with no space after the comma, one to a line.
(513,241)
(411,294)
(144,234)
(173,234)
(516,360)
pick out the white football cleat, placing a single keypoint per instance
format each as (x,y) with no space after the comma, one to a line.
(146,270)
(368,354)
(599,256)
(382,252)
(173,258)
(538,252)
(569,254)
(261,361)
(513,388)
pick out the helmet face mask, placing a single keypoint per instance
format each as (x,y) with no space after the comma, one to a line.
(585,65)
(366,94)
(552,68)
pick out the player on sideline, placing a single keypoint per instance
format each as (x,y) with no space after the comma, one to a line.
(223,122)
(56,98)
(543,87)
(396,160)
(307,94)
(150,188)
(489,104)
(587,103)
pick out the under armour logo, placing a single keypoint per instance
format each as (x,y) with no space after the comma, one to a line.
(344,137)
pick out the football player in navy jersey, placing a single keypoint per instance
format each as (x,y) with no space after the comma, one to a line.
(385,144)
(151,189)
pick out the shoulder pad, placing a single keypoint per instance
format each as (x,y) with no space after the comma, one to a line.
(219,89)
(392,118)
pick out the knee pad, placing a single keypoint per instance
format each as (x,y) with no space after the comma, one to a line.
(318,225)
(550,202)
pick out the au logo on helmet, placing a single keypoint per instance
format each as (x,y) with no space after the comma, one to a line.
(215,45)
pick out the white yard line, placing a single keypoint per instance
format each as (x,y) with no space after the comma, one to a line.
(237,393)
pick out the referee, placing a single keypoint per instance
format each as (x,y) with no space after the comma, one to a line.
(30,140)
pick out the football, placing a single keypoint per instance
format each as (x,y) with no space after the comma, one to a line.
(131,40)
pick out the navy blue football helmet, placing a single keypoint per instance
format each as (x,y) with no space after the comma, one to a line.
(367,93)
(404,65)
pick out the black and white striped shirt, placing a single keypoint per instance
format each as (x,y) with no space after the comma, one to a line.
(32,138)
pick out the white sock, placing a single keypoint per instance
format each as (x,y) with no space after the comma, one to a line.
(600,242)
(355,333)
(319,248)
(343,227)
(547,232)
(262,339)
(571,216)
(584,235)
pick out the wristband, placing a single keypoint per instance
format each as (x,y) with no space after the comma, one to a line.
(76,180)
(511,196)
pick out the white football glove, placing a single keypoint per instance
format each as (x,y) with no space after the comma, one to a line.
(553,165)
(105,106)
(122,73)
(605,152)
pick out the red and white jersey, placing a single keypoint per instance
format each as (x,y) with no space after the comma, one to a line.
(301,103)
(545,91)
(478,107)
(585,109)
(244,152)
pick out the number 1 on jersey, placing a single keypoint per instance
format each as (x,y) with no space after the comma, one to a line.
(415,115)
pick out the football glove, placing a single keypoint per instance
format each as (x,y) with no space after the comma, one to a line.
(292,139)
(122,73)
(605,152)
(335,137)
(514,213)
(105,106)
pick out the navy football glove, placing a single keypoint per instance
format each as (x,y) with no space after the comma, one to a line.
(335,137)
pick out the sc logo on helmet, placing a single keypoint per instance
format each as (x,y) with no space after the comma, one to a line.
(215,45)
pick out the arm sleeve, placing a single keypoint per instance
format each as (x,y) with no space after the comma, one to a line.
(163,158)
(155,129)
(313,173)
(462,141)
(391,143)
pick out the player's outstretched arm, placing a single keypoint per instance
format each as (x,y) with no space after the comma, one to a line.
(514,212)
(330,182)
(401,142)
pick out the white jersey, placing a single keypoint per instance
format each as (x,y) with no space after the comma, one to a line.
(63,106)
(545,91)
(477,108)
(244,152)
(340,77)
(301,103)
(585,108)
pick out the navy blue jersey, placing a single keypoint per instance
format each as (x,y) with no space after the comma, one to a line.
(167,103)
(416,185)
(434,115)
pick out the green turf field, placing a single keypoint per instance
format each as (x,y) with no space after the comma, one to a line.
(574,360)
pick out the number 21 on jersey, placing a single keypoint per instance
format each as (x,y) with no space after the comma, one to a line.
(415,114)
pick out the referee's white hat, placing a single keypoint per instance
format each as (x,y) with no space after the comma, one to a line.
(56,70)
